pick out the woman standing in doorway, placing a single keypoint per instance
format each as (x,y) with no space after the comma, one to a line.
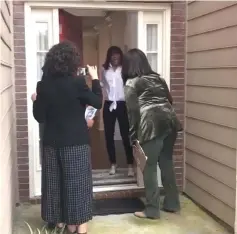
(115,107)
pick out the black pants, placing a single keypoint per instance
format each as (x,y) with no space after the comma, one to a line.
(160,150)
(110,118)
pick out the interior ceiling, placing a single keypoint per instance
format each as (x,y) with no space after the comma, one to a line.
(90,18)
(79,12)
(89,22)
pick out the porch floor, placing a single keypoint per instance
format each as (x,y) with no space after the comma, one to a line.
(191,220)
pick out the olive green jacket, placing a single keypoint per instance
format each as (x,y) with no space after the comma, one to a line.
(150,110)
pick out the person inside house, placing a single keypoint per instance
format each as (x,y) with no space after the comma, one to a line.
(115,107)
(154,124)
(59,103)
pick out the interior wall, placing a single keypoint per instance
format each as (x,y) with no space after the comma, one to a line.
(71,29)
(90,51)
(108,36)
(95,48)
(119,22)
(130,35)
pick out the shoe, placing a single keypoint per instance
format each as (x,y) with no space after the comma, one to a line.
(170,211)
(60,225)
(142,215)
(80,232)
(112,170)
(130,171)
(71,229)
(51,226)
(69,232)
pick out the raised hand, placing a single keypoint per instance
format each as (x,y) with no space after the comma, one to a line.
(92,70)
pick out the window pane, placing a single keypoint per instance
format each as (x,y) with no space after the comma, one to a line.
(42,36)
(151,37)
(153,59)
(40,63)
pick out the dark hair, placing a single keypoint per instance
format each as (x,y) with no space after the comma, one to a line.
(135,64)
(112,50)
(62,59)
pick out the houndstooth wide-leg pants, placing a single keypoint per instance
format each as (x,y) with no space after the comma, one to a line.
(67,184)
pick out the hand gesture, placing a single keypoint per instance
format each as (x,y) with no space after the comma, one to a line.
(33,97)
(92,70)
(90,123)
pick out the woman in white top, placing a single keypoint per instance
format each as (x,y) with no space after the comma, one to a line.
(115,107)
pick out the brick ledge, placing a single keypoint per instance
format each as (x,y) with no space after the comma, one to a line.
(103,195)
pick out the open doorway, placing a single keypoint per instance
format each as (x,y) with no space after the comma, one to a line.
(94,31)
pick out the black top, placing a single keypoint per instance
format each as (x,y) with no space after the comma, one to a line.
(150,110)
(61,104)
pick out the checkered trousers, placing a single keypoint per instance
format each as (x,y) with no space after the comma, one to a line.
(67,184)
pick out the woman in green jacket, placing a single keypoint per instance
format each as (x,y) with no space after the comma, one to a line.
(153,122)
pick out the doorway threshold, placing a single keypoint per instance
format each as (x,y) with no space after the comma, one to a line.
(117,191)
(113,188)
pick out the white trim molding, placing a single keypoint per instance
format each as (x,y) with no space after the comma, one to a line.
(29,64)
(30,47)
(32,16)
(167,44)
(99,5)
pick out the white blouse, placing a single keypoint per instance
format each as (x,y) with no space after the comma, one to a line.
(112,82)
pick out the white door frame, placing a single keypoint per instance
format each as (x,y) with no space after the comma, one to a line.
(33,127)
(165,8)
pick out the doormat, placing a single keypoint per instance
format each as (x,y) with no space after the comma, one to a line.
(117,206)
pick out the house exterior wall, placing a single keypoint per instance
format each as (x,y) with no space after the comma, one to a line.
(176,85)
(211,106)
(8,185)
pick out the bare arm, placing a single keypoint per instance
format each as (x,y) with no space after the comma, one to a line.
(102,77)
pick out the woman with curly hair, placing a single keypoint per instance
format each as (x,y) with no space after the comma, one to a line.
(59,104)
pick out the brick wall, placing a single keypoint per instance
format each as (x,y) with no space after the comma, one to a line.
(21,103)
(177,89)
(177,79)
